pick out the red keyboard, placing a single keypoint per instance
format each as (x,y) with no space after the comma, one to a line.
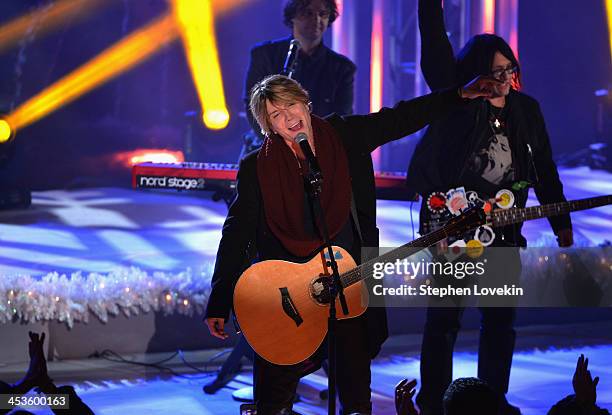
(219,176)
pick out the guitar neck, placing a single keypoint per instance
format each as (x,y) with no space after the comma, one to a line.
(364,270)
(516,215)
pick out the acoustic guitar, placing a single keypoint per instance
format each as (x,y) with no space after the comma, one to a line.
(283,307)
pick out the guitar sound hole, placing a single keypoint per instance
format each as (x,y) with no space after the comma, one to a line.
(319,290)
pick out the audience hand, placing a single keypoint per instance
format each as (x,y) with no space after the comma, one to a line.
(404,391)
(37,372)
(585,387)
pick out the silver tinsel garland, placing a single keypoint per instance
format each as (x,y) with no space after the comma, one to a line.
(128,290)
(132,290)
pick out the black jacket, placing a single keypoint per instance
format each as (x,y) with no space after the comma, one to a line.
(361,134)
(440,158)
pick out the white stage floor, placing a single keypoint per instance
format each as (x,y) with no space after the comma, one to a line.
(101,230)
(541,375)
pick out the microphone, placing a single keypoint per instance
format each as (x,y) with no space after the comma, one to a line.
(291,60)
(302,140)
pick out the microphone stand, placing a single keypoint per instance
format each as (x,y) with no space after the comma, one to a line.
(315,180)
(291,60)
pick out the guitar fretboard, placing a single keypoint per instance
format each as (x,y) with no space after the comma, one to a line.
(471,220)
(456,226)
(516,215)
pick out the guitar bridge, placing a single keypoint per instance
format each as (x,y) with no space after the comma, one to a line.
(289,307)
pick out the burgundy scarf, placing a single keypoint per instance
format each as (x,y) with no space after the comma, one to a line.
(282,187)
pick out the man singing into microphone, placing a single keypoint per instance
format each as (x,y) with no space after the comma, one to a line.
(327,76)
(273,211)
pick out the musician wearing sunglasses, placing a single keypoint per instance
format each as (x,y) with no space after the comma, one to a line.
(486,147)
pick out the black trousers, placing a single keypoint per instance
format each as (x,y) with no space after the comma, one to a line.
(275,385)
(495,349)
(496,344)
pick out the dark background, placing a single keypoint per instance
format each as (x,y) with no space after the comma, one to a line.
(563,49)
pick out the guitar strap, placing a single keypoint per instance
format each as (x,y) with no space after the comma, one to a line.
(356,218)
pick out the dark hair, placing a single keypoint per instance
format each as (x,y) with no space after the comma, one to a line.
(295,7)
(470,396)
(477,55)
(569,406)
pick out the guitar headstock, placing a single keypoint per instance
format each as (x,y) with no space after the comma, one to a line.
(469,219)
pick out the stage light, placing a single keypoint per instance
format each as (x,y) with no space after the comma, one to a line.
(45,19)
(609,14)
(115,60)
(376,57)
(196,24)
(489,16)
(216,119)
(221,7)
(506,22)
(376,67)
(152,156)
(127,53)
(337,29)
(5,131)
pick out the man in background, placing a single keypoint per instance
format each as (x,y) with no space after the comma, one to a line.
(326,75)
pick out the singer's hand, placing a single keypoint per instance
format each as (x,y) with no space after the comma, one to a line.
(481,86)
(216,327)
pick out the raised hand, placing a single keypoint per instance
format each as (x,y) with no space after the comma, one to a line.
(585,387)
(37,371)
(481,86)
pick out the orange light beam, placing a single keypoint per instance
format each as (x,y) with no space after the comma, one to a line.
(46,18)
(196,24)
(221,7)
(132,50)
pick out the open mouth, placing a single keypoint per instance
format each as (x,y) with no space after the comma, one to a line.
(296,126)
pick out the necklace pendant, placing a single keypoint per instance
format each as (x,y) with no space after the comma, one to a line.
(496,123)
